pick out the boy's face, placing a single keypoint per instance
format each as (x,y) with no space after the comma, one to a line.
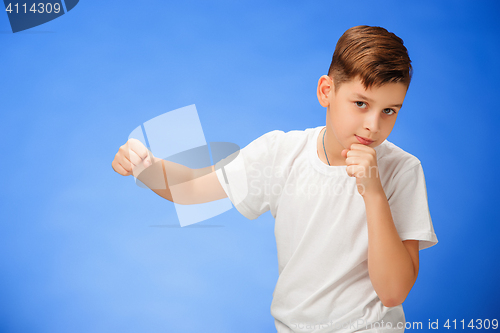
(354,111)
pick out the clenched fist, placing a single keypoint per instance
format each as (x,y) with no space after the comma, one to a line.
(132,158)
(361,162)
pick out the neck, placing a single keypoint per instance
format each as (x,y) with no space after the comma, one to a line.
(333,150)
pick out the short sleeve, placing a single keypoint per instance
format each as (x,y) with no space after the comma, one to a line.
(409,207)
(245,175)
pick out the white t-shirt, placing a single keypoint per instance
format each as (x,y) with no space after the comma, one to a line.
(321,230)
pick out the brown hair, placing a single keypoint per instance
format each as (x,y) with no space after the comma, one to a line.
(372,54)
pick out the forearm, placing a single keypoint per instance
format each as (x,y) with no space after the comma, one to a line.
(390,266)
(180,184)
(163,176)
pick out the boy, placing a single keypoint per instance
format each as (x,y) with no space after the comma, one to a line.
(350,208)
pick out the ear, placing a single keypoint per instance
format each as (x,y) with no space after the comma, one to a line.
(325,88)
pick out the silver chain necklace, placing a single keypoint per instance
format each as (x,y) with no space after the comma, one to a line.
(324,147)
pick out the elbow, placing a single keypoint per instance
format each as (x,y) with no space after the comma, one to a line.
(394,298)
(391,302)
(394,293)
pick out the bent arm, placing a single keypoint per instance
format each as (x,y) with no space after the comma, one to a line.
(392,263)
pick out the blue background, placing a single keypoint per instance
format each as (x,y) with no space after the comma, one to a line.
(83,249)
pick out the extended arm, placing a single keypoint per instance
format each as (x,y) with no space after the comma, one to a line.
(172,181)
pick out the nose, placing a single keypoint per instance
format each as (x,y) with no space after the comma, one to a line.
(371,122)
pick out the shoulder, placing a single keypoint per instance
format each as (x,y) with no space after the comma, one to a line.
(393,160)
(290,135)
(286,141)
(402,176)
(280,148)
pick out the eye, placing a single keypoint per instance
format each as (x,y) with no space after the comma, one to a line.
(361,105)
(390,110)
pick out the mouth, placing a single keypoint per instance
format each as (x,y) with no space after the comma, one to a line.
(363,141)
